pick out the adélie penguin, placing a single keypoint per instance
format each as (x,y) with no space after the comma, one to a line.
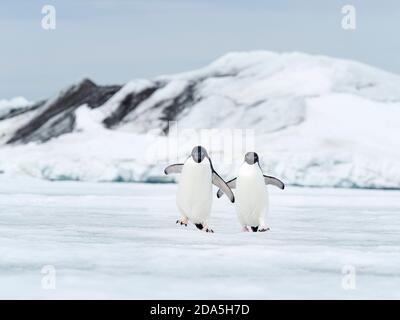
(251,194)
(194,196)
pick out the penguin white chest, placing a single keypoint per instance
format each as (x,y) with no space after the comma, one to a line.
(194,196)
(251,195)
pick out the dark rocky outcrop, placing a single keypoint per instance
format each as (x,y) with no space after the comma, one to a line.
(57,116)
(128,104)
(172,108)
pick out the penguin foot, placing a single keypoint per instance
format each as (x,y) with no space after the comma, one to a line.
(199,226)
(254,229)
(204,228)
(182,222)
(244,229)
(263,229)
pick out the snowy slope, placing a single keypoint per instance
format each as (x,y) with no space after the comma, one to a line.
(8,106)
(316,121)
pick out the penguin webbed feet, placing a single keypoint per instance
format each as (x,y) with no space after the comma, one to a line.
(202,227)
(263,229)
(182,222)
(260,228)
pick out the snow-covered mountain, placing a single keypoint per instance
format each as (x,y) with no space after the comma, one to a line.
(316,121)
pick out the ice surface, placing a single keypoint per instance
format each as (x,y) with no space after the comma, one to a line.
(116,240)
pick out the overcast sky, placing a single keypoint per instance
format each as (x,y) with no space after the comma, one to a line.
(115,41)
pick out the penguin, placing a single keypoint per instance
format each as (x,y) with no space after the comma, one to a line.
(194,196)
(251,194)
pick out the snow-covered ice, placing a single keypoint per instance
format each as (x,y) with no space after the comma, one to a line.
(118,240)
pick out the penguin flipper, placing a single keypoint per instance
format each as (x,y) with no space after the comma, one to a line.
(274,181)
(231,184)
(220,183)
(174,168)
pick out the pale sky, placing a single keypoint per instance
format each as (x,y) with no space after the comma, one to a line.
(112,42)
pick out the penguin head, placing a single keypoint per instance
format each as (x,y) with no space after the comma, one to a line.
(198,154)
(251,158)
